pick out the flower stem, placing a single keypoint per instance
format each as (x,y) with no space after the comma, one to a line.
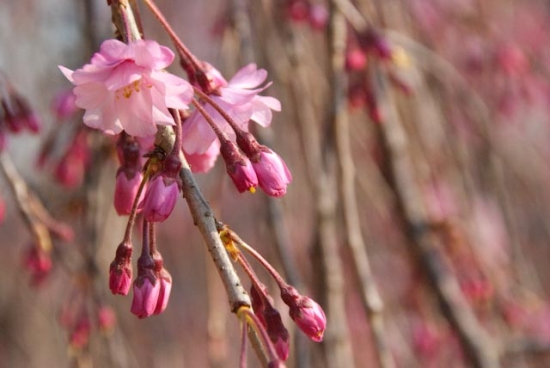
(221,136)
(133,212)
(280,281)
(179,44)
(220,110)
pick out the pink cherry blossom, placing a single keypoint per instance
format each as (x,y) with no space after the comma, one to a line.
(239,98)
(124,87)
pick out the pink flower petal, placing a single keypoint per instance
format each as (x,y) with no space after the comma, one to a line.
(248,77)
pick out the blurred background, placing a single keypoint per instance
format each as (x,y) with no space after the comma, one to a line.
(417,133)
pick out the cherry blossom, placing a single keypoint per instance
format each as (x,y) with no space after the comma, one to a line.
(239,98)
(124,87)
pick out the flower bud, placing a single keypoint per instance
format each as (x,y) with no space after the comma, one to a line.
(310,318)
(126,190)
(120,271)
(80,334)
(146,295)
(38,263)
(306,313)
(106,319)
(318,16)
(63,105)
(239,167)
(164,293)
(273,175)
(160,198)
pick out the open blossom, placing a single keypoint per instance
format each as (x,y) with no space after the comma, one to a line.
(124,87)
(239,98)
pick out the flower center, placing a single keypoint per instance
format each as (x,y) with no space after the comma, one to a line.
(127,91)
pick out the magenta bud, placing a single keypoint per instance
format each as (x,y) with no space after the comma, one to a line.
(239,167)
(273,175)
(63,105)
(164,293)
(356,59)
(243,176)
(146,294)
(120,279)
(318,16)
(160,198)
(38,263)
(120,271)
(106,318)
(298,10)
(310,317)
(126,190)
(80,335)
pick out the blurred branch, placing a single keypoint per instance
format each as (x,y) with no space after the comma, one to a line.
(477,343)
(370,297)
(320,163)
(26,202)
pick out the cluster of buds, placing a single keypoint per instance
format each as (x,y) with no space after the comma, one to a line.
(70,161)
(79,316)
(38,262)
(304,311)
(153,283)
(365,47)
(304,11)
(16,114)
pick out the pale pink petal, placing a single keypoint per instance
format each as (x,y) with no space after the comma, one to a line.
(91,73)
(68,73)
(197,134)
(177,91)
(248,77)
(201,163)
(236,96)
(90,95)
(112,50)
(123,75)
(150,54)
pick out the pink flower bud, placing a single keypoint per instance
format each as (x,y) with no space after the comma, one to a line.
(164,294)
(160,198)
(38,263)
(146,294)
(106,319)
(63,105)
(309,317)
(69,172)
(273,175)
(318,16)
(298,10)
(243,176)
(120,271)
(356,59)
(126,189)
(239,167)
(80,335)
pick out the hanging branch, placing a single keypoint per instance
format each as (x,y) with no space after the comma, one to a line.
(370,297)
(477,343)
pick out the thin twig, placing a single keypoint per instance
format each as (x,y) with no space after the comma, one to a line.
(370,297)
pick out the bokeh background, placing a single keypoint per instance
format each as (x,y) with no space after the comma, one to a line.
(417,133)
